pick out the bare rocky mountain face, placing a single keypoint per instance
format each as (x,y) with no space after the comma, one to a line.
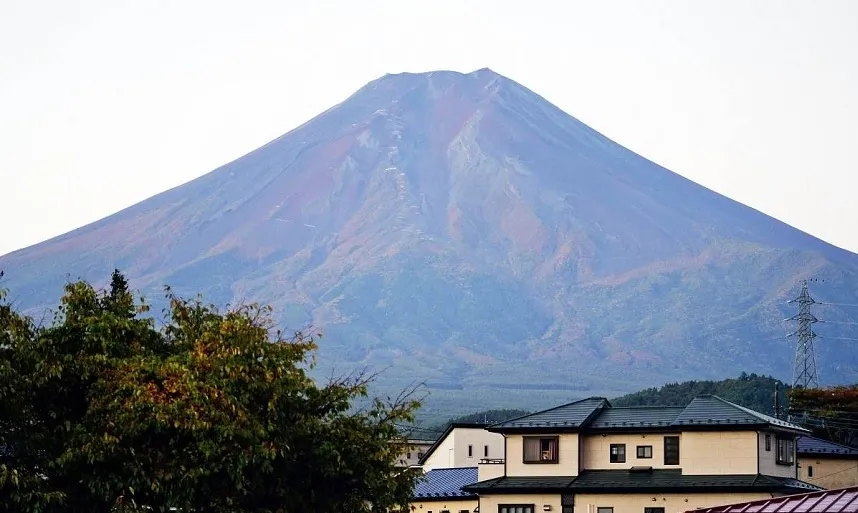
(459,229)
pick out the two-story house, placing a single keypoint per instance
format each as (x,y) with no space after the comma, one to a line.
(589,457)
(412,451)
(827,464)
(463,445)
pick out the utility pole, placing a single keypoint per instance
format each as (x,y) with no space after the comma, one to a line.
(777,399)
(804,373)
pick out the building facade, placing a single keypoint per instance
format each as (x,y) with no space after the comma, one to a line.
(463,445)
(827,464)
(589,457)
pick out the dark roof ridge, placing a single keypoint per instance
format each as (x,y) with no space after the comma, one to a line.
(593,398)
(651,406)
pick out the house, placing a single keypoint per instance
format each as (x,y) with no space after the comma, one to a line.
(440,491)
(843,500)
(827,464)
(590,457)
(412,451)
(463,445)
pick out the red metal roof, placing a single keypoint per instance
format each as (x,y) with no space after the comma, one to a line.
(844,500)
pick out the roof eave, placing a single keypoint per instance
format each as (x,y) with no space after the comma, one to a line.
(446,498)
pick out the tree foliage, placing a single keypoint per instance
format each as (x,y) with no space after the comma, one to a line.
(480,417)
(832,413)
(748,390)
(101,411)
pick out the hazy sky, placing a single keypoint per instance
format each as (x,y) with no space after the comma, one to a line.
(105,103)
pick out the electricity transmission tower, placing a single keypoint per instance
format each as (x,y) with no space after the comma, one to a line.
(804,373)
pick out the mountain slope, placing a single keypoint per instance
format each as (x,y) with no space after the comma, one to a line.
(464,231)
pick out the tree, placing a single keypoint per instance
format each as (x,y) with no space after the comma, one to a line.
(832,413)
(213,412)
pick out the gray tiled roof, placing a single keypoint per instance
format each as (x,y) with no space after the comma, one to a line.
(619,481)
(711,410)
(636,417)
(597,414)
(445,482)
(818,446)
(570,416)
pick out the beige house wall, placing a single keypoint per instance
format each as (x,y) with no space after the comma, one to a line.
(728,452)
(442,456)
(672,503)
(768,459)
(453,506)
(567,458)
(477,439)
(596,452)
(490,503)
(486,471)
(453,450)
(829,473)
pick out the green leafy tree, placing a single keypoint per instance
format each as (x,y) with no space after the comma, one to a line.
(213,412)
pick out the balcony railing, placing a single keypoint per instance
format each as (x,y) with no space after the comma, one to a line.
(492,461)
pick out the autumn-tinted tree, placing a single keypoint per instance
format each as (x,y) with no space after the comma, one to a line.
(213,412)
(832,413)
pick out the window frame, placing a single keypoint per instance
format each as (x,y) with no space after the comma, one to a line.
(789,445)
(654,510)
(528,508)
(604,509)
(618,456)
(553,438)
(485,451)
(470,451)
(644,447)
(668,454)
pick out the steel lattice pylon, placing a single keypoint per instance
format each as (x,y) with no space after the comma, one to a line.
(804,374)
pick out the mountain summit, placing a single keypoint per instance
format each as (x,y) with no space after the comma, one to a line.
(463,230)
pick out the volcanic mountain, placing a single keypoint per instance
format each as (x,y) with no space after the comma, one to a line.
(462,230)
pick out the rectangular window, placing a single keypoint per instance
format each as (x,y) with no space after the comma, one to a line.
(515,508)
(810,471)
(602,509)
(419,455)
(644,451)
(785,451)
(653,510)
(618,453)
(485,451)
(671,450)
(408,455)
(768,442)
(540,449)
(470,451)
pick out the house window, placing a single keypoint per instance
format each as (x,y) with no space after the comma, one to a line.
(515,508)
(644,451)
(540,449)
(485,451)
(602,509)
(618,453)
(810,471)
(470,451)
(408,455)
(671,450)
(419,455)
(653,510)
(768,442)
(786,451)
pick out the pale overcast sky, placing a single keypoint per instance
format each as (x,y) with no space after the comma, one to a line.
(104,103)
